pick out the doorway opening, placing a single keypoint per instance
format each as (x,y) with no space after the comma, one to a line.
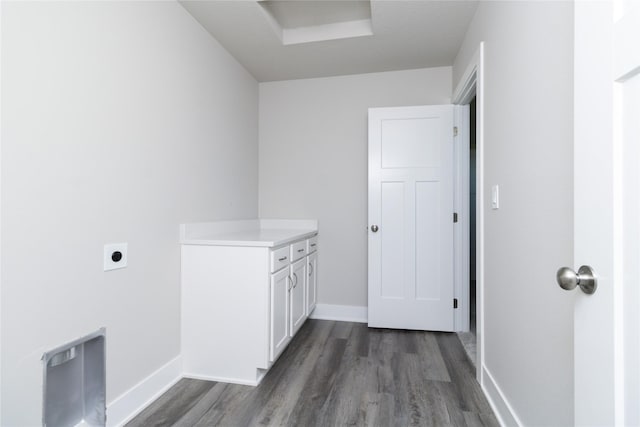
(472,223)
(468,337)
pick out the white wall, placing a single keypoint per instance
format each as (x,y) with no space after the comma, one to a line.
(119,121)
(313,161)
(529,153)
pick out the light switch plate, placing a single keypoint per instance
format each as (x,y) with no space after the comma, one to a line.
(112,260)
(495,197)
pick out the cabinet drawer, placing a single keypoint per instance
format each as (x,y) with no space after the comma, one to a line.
(280,258)
(312,244)
(298,250)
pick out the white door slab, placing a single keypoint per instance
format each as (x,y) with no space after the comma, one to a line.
(411,282)
(607,212)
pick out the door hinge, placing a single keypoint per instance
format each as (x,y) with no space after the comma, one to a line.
(455,217)
(455,303)
(455,131)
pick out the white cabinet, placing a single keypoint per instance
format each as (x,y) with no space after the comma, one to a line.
(288,303)
(297,294)
(312,282)
(312,273)
(280,258)
(298,250)
(279,313)
(312,244)
(243,296)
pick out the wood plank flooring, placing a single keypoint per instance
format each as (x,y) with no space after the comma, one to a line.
(340,374)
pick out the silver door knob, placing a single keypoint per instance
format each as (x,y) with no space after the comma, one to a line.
(374,228)
(585,278)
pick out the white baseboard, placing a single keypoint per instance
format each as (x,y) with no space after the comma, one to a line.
(223,379)
(129,404)
(342,313)
(499,403)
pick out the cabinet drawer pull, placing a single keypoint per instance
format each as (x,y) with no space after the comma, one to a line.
(313,245)
(300,250)
(282,259)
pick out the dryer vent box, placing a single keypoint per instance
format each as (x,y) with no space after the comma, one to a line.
(74,383)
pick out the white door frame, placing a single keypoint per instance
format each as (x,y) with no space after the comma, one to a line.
(0,218)
(471,84)
(461,170)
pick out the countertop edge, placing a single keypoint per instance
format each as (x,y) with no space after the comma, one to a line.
(249,243)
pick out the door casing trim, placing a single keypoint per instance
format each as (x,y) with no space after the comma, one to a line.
(471,84)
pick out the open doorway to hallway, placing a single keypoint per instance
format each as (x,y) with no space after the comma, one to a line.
(472,218)
(469,339)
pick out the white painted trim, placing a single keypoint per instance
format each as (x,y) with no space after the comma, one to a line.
(466,89)
(129,404)
(461,229)
(0,216)
(472,83)
(224,379)
(499,403)
(340,313)
(325,32)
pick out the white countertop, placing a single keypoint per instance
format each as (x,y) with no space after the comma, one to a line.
(261,233)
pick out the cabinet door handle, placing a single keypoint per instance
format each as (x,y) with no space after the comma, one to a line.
(296,277)
(290,281)
(310,269)
(282,259)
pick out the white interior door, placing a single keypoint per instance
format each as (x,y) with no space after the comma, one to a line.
(626,67)
(411,217)
(607,211)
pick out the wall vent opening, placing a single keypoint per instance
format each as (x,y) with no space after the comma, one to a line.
(74,383)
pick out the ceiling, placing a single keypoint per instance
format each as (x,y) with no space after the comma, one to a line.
(294,39)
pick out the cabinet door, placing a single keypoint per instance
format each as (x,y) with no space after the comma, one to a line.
(279,315)
(312,282)
(298,305)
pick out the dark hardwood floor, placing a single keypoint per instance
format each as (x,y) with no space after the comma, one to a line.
(339,374)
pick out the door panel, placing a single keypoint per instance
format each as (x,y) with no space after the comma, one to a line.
(297,304)
(279,313)
(627,136)
(411,201)
(630,102)
(312,281)
(428,240)
(410,143)
(392,253)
